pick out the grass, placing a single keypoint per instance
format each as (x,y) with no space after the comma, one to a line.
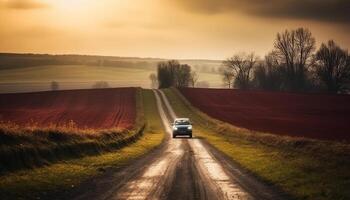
(303,168)
(45,181)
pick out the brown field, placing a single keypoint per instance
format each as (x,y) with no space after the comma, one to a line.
(93,108)
(319,116)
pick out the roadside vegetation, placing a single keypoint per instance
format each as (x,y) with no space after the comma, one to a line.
(303,168)
(103,151)
(292,65)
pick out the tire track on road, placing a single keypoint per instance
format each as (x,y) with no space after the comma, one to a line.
(215,174)
(152,183)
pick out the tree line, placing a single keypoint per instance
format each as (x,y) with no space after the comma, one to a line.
(173,74)
(292,65)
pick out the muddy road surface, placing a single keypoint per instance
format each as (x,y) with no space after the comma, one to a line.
(182,168)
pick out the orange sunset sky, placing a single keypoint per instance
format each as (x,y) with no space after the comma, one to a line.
(165,28)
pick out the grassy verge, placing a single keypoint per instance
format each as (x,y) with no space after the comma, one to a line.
(44,181)
(303,168)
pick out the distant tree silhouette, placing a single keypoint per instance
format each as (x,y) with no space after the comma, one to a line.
(165,73)
(172,73)
(54,85)
(227,77)
(154,80)
(183,76)
(194,79)
(295,49)
(268,74)
(240,66)
(333,66)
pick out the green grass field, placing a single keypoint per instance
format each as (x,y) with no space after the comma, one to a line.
(41,182)
(38,78)
(303,168)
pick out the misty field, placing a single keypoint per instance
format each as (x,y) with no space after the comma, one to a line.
(24,76)
(38,78)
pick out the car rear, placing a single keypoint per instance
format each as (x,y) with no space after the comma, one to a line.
(182,126)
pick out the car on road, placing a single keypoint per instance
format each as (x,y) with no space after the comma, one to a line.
(182,126)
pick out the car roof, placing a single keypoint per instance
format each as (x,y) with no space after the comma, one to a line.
(182,119)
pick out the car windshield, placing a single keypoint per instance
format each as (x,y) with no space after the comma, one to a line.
(182,122)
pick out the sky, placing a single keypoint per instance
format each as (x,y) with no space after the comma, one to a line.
(178,29)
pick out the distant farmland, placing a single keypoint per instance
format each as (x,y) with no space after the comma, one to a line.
(35,72)
(38,78)
(94,108)
(319,116)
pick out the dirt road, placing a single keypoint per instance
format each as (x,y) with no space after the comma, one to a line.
(181,168)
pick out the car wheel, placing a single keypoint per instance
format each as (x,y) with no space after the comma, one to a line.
(190,135)
(174,136)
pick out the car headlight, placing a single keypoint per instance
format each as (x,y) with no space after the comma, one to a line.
(175,128)
(189,128)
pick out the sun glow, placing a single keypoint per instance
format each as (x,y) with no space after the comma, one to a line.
(75,5)
(150,28)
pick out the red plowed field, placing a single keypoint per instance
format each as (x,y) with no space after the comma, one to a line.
(318,116)
(95,108)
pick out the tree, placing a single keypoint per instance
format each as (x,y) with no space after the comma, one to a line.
(240,66)
(268,75)
(295,49)
(166,73)
(182,75)
(154,80)
(54,85)
(227,77)
(172,73)
(194,78)
(333,66)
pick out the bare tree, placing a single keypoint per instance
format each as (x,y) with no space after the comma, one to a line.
(194,78)
(172,73)
(295,50)
(267,75)
(166,73)
(333,66)
(182,76)
(54,85)
(240,66)
(227,77)
(154,80)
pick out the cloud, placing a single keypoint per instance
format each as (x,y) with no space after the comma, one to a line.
(24,4)
(319,10)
